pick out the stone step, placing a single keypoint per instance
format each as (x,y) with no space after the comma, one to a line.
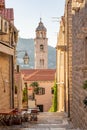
(36,129)
(46,121)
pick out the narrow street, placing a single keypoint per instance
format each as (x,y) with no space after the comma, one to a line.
(46,121)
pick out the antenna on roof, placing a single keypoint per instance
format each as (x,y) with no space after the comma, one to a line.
(56,19)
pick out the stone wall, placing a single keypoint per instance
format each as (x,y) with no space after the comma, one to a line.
(79,42)
(75,39)
(5,101)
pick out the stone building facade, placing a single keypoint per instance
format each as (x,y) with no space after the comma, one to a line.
(45,79)
(60,66)
(79,62)
(8,40)
(75,65)
(64,60)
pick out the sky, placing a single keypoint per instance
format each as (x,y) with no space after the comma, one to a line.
(27,14)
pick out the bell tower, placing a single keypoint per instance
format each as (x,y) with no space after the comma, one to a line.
(41,47)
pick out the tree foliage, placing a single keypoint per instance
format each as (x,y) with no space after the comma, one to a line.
(35,85)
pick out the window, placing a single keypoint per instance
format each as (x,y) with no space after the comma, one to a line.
(41,34)
(41,91)
(5,26)
(41,47)
(42,62)
(52,90)
(15,89)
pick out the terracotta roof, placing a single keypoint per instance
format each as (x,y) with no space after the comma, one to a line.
(39,74)
(2,1)
(7,13)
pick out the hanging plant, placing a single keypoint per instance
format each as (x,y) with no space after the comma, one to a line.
(85,84)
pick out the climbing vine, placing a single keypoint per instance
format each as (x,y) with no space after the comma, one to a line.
(85,84)
(54,101)
(24,95)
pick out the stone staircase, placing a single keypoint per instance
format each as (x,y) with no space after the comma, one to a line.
(46,121)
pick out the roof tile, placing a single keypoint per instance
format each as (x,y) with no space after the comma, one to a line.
(39,74)
(7,13)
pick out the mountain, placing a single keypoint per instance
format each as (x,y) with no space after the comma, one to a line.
(28,45)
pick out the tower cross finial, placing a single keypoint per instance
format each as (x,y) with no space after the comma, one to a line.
(40,19)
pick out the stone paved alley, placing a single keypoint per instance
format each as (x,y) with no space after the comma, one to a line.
(46,121)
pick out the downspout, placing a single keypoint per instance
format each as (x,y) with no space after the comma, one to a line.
(12,81)
(57,76)
(68,63)
(64,76)
(11,68)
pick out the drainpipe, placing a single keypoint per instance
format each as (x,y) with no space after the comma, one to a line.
(68,63)
(11,68)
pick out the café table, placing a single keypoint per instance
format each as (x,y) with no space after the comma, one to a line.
(9,116)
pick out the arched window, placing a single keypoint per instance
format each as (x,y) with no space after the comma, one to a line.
(41,34)
(41,47)
(41,62)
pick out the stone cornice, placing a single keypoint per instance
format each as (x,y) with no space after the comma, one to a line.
(61,47)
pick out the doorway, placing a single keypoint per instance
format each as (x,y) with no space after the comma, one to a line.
(40,107)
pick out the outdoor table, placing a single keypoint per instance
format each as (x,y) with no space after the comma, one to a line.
(6,116)
(9,116)
(33,113)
